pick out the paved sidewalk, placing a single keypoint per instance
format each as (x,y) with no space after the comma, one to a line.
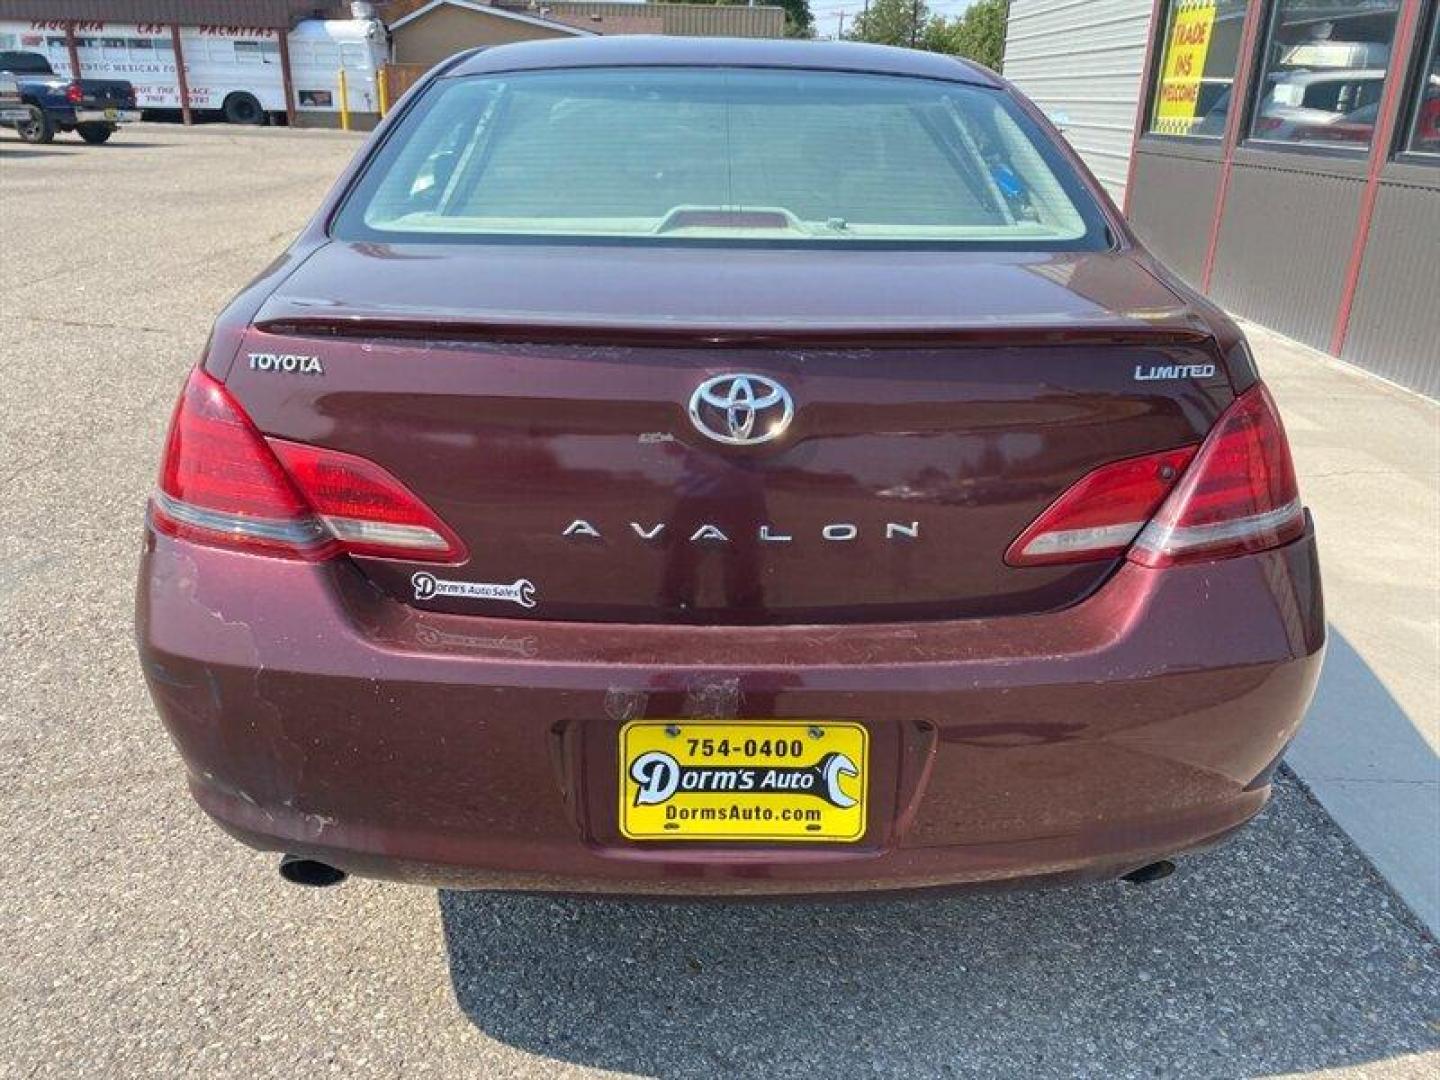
(1369,461)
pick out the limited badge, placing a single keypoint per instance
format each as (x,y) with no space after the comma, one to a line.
(427,586)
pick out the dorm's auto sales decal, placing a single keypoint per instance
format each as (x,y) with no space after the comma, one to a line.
(1186,48)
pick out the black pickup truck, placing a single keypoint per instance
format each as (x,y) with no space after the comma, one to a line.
(92,107)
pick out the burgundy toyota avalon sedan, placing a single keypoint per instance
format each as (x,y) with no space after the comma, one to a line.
(714,467)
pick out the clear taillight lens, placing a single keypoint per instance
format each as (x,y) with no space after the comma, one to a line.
(222,483)
(1238,496)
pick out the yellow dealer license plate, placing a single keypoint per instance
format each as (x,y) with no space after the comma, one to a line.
(773,781)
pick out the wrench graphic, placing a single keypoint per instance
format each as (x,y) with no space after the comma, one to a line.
(832,767)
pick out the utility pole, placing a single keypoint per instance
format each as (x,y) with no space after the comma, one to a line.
(914,22)
(840,34)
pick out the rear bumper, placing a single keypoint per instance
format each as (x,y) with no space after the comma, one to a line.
(107,116)
(318,717)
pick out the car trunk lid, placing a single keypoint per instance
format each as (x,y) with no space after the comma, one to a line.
(536,401)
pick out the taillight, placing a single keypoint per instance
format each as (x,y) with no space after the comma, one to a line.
(1238,496)
(74,94)
(364,507)
(1102,512)
(222,483)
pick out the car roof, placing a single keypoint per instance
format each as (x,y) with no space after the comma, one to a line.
(635,50)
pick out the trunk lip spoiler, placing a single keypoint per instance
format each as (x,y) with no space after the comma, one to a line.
(604,332)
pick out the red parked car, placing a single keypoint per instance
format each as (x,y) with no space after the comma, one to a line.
(683,466)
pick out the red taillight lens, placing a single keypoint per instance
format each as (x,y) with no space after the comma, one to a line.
(74,94)
(222,483)
(1102,512)
(364,507)
(1239,495)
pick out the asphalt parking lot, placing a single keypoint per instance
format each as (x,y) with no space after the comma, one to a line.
(138,940)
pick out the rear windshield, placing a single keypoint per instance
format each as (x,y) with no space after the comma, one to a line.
(720,154)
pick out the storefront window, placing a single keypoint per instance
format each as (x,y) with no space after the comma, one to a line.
(1425,115)
(1197,67)
(1324,75)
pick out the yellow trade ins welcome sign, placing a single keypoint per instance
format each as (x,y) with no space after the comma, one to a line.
(1186,47)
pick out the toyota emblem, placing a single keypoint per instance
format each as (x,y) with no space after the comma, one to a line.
(741,410)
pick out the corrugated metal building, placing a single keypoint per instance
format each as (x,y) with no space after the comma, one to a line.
(1283,155)
(436,30)
(424,32)
(601,17)
(677,20)
(1082,61)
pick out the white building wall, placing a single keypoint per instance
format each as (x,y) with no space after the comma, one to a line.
(1083,60)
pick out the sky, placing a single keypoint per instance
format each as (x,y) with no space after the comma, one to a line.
(825,12)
